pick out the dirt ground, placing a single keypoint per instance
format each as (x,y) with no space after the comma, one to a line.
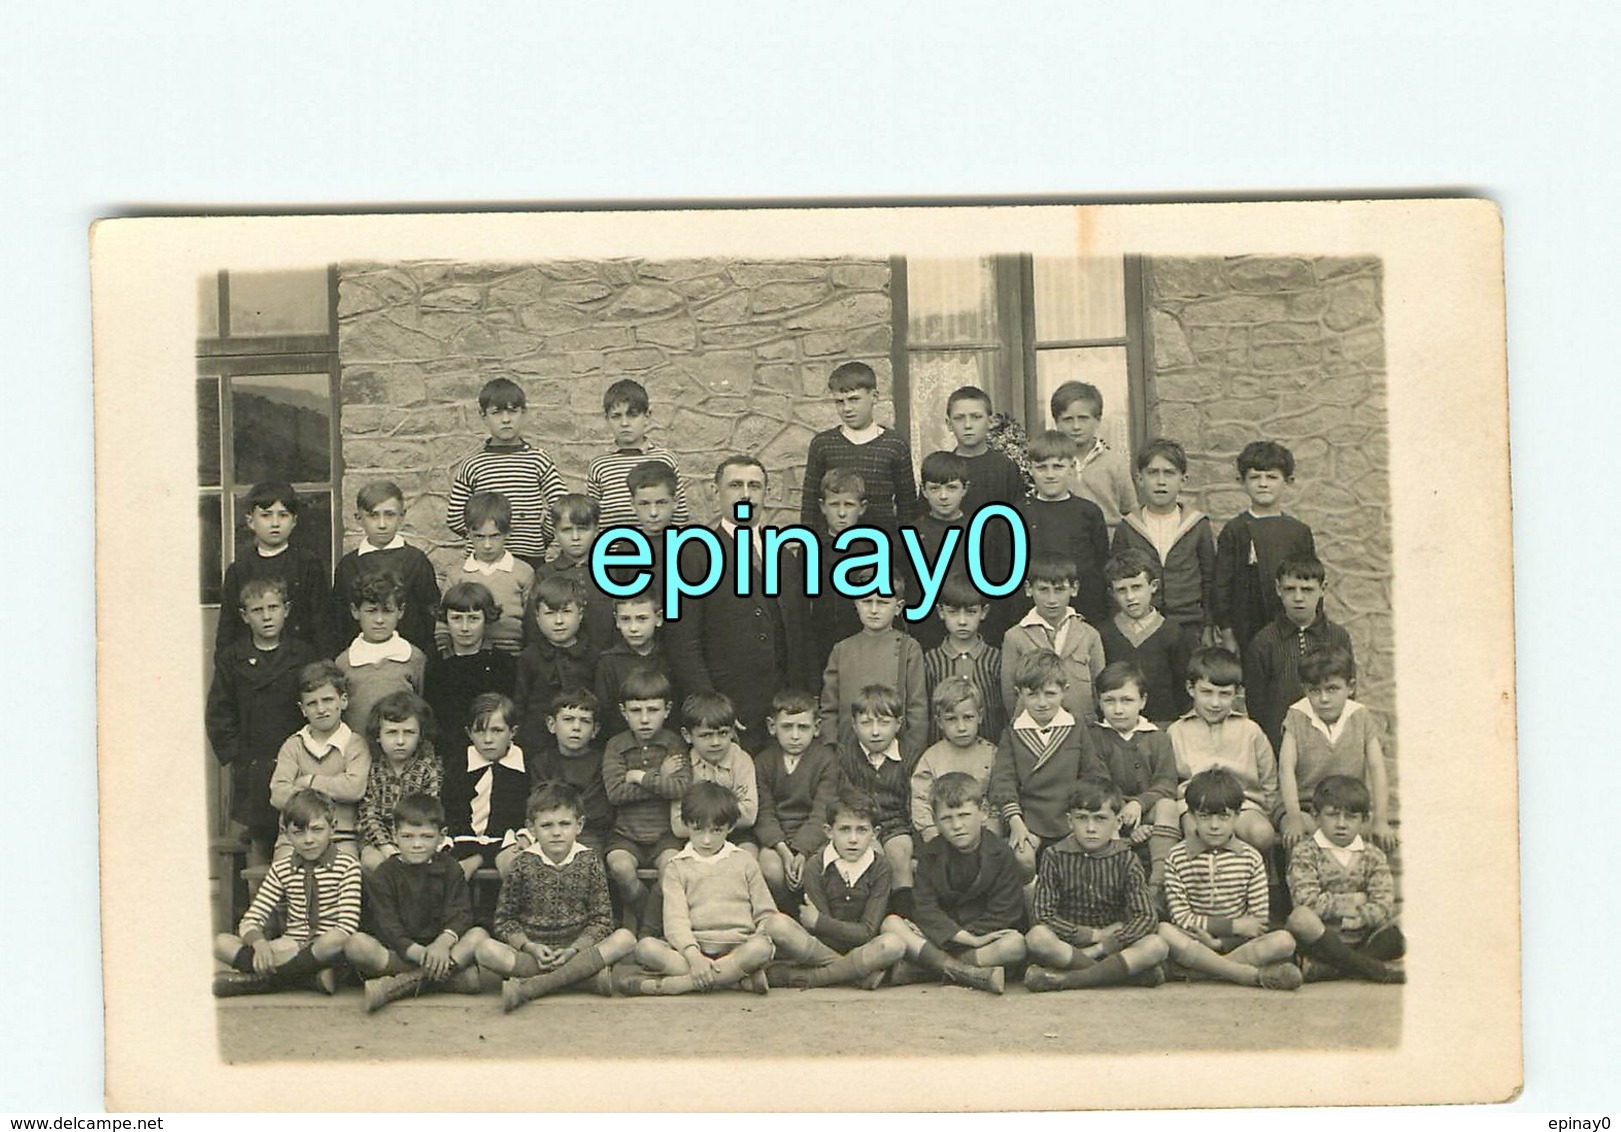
(298,1025)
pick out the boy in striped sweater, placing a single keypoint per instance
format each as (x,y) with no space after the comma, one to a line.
(626,408)
(315,893)
(1215,888)
(509,464)
(1096,917)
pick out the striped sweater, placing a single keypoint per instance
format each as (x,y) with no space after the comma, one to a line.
(605,485)
(529,480)
(1210,888)
(1077,889)
(286,889)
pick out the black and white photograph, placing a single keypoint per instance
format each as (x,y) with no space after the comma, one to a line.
(521,711)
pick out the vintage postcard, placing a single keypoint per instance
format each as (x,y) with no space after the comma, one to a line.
(343,440)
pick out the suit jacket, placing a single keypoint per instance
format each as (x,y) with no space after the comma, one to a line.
(747,648)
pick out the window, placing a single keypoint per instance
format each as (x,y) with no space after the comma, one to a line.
(266,407)
(1018,327)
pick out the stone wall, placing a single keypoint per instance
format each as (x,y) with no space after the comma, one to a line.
(734,354)
(1287,349)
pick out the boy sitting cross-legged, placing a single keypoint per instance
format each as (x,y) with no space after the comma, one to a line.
(421,912)
(1215,888)
(797,777)
(1096,916)
(554,920)
(968,910)
(846,894)
(1345,897)
(315,891)
(716,905)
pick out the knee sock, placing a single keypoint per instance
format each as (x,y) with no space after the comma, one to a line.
(1385,944)
(1102,973)
(900,902)
(1331,948)
(1161,839)
(303,963)
(576,970)
(810,952)
(243,960)
(861,962)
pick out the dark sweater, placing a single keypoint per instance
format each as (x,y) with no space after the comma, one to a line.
(416,903)
(583,772)
(414,571)
(1245,597)
(885,467)
(508,794)
(1142,765)
(850,914)
(453,682)
(544,669)
(309,597)
(1073,529)
(1163,658)
(1187,576)
(616,663)
(793,807)
(1272,668)
(978,890)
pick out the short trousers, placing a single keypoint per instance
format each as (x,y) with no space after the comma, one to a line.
(646,854)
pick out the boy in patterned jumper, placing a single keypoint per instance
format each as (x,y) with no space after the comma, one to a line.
(877,454)
(1215,888)
(1096,920)
(628,412)
(554,920)
(509,464)
(421,913)
(1344,894)
(314,892)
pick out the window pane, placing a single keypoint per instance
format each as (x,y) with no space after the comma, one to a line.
(279,302)
(281,427)
(950,301)
(932,375)
(208,306)
(1100,366)
(208,432)
(1080,299)
(213,571)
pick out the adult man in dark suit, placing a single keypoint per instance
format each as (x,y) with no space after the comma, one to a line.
(747,648)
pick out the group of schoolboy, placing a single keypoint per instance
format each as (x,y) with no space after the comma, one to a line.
(1042,782)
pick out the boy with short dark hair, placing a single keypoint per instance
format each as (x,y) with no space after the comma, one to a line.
(878,454)
(968,918)
(467,665)
(963,652)
(1099,473)
(421,912)
(1052,625)
(1140,763)
(575,526)
(559,655)
(836,939)
(1216,890)
(573,757)
(379,661)
(1141,635)
(253,705)
(1041,754)
(879,654)
(509,464)
(991,476)
(1327,733)
(716,907)
(489,563)
(872,764)
(324,755)
(1272,660)
(314,892)
(1253,543)
(626,408)
(1343,891)
(271,515)
(944,476)
(1095,915)
(797,776)
(1214,735)
(1061,523)
(1175,538)
(554,919)
(380,510)
(636,647)
(643,768)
